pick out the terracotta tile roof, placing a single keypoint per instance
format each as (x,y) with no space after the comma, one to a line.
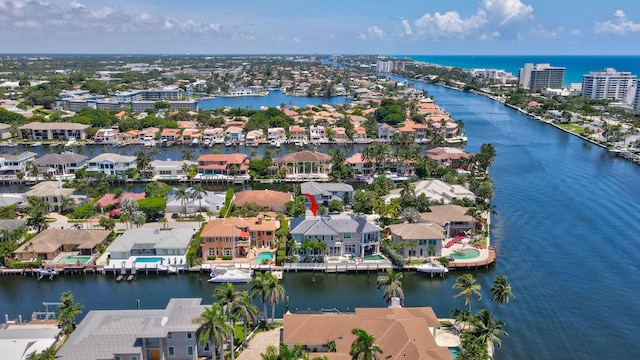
(223,158)
(274,200)
(402,333)
(303,156)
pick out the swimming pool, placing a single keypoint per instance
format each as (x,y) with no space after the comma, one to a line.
(455,352)
(468,254)
(373,258)
(148,259)
(74,259)
(263,256)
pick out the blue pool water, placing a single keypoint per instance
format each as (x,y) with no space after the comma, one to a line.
(149,259)
(468,254)
(262,257)
(455,352)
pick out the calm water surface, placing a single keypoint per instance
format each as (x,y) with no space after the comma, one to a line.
(567,237)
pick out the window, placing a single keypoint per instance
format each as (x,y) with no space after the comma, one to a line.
(189,350)
(189,335)
(172,351)
(134,358)
(116,358)
(346,236)
(169,335)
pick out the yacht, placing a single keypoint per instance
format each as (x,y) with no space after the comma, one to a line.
(230,275)
(430,268)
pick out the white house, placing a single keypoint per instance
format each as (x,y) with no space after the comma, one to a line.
(111,164)
(12,164)
(150,242)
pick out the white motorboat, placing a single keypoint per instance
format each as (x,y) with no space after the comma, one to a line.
(47,272)
(230,276)
(430,268)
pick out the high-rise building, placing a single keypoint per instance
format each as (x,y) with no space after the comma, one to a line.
(541,76)
(636,101)
(609,84)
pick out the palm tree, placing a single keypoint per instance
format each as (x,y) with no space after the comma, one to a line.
(364,347)
(260,287)
(117,195)
(462,317)
(488,330)
(197,192)
(245,312)
(183,195)
(410,214)
(143,162)
(276,294)
(501,292)
(37,212)
(213,328)
(228,297)
(391,284)
(68,311)
(467,284)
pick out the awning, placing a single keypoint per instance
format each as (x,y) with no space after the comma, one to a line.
(244,234)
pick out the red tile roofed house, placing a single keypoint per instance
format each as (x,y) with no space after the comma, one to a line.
(190,134)
(289,112)
(219,236)
(420,130)
(362,167)
(305,165)
(359,134)
(271,199)
(401,333)
(340,135)
(109,199)
(120,114)
(448,156)
(224,164)
(236,123)
(170,135)
(297,133)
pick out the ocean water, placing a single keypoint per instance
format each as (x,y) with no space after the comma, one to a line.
(576,65)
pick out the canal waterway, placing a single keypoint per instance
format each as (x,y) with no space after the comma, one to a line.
(566,233)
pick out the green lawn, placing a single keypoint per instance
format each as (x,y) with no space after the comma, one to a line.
(576,129)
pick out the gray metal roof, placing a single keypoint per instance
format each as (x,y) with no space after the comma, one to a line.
(104,333)
(331,225)
(157,239)
(11,225)
(60,159)
(314,188)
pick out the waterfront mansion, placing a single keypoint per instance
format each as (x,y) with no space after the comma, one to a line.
(343,234)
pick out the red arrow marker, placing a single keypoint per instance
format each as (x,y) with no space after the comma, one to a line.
(314,206)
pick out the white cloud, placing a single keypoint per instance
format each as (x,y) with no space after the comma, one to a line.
(449,24)
(406,28)
(508,10)
(484,24)
(102,13)
(376,32)
(619,25)
(575,32)
(361,36)
(77,5)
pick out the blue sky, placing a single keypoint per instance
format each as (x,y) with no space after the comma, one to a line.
(432,27)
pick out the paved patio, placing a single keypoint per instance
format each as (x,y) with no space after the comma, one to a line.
(259,344)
